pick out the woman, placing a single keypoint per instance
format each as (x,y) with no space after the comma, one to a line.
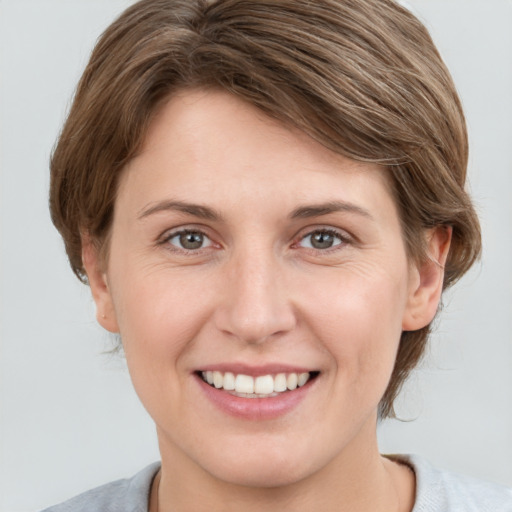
(267,201)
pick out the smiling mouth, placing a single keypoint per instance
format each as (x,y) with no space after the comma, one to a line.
(264,386)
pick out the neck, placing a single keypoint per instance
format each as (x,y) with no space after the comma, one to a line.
(357,480)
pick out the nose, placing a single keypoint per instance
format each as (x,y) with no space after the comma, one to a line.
(255,303)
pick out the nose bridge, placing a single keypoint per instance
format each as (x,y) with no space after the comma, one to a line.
(256,304)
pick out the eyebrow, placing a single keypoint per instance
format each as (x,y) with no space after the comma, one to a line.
(317,210)
(207,213)
(202,212)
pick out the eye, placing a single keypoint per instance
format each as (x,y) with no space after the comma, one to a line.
(322,239)
(189,240)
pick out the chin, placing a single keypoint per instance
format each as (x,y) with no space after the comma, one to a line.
(261,467)
(265,476)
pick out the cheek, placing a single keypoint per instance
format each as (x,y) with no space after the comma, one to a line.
(358,318)
(159,315)
(159,318)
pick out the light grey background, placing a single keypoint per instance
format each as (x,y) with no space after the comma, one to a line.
(69,419)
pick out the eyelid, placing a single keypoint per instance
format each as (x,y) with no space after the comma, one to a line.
(170,233)
(343,235)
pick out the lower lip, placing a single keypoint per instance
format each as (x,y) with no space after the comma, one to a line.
(256,409)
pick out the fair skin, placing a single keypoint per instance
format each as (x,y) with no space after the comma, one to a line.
(241,245)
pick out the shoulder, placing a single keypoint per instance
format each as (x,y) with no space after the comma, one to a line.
(440,491)
(127,495)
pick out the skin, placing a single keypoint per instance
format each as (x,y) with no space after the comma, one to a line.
(258,292)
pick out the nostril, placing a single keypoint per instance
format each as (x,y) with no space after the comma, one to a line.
(254,313)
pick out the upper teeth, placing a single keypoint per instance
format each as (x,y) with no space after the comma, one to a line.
(263,385)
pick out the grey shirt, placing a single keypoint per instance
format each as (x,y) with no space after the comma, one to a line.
(436,491)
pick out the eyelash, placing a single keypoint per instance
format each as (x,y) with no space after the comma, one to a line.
(341,236)
(166,240)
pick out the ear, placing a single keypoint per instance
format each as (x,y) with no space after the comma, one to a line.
(426,280)
(97,277)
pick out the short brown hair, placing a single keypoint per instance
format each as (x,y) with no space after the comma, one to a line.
(362,77)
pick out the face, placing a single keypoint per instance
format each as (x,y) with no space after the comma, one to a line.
(244,252)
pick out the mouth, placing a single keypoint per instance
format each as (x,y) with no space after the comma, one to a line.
(263,386)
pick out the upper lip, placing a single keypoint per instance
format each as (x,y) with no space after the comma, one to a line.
(255,370)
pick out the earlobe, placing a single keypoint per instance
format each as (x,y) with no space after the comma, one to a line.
(426,282)
(97,277)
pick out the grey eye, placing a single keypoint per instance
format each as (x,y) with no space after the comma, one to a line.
(190,240)
(321,240)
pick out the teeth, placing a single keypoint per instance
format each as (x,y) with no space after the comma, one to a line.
(244,384)
(291,381)
(264,385)
(280,383)
(259,387)
(218,379)
(302,379)
(229,381)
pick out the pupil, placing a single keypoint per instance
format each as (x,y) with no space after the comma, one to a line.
(322,240)
(191,240)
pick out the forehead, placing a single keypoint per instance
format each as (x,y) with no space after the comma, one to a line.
(206,121)
(206,142)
